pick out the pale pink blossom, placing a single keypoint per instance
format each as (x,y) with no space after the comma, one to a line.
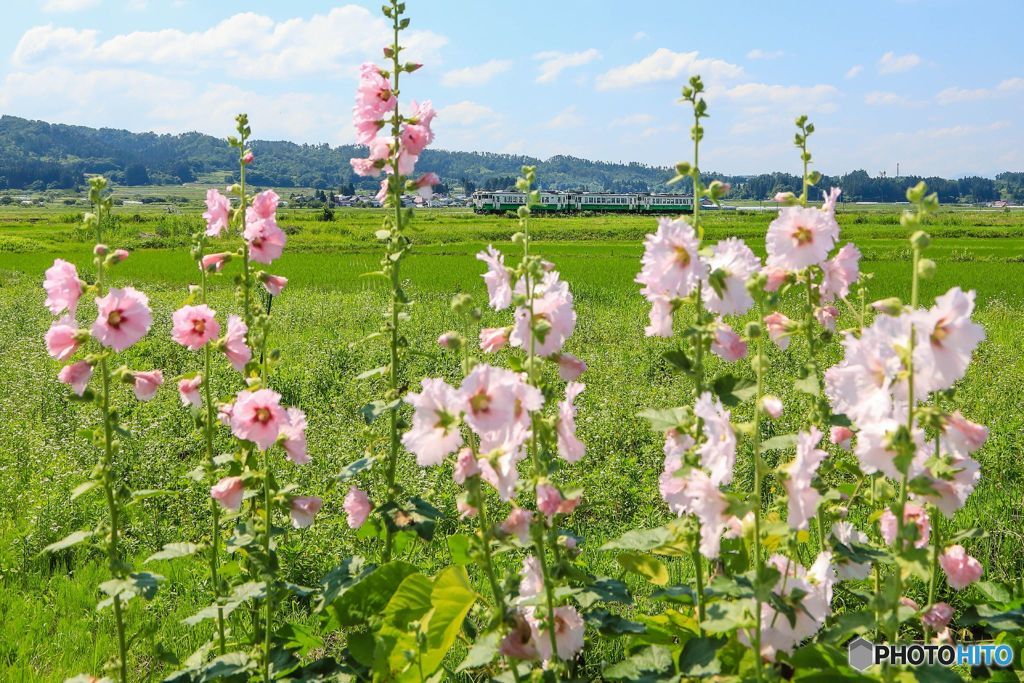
(294,432)
(274,284)
(264,206)
(422,113)
(913,515)
(961,569)
(235,346)
(374,99)
(258,417)
(146,383)
(831,197)
(194,326)
(551,502)
(570,367)
(465,510)
(964,436)
(774,278)
(499,285)
(518,524)
(841,271)
(500,471)
(802,497)
(671,267)
(357,507)
(303,509)
(718,451)
(425,185)
(827,316)
(672,482)
(62,339)
(76,375)
(800,237)
(660,317)
(779,329)
(247,157)
(946,340)
(435,429)
(266,240)
(709,506)
(188,391)
(493,338)
(569,631)
(861,386)
(518,643)
(228,492)
(729,267)
(63,288)
(218,209)
(958,478)
(841,436)
(726,344)
(215,262)
(938,616)
(848,535)
(466,466)
(531,579)
(415,137)
(772,406)
(553,307)
(123,318)
(488,398)
(876,452)
(570,448)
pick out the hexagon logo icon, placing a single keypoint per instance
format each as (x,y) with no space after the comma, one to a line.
(860,653)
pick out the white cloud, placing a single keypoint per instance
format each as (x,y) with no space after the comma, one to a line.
(877,98)
(68,5)
(137,5)
(665,65)
(854,71)
(891,63)
(246,44)
(1011,84)
(476,75)
(954,95)
(816,96)
(567,118)
(640,35)
(466,113)
(632,120)
(965,129)
(758,53)
(553,63)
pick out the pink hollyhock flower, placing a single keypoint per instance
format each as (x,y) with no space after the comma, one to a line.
(731,264)
(841,436)
(841,271)
(802,496)
(435,430)
(660,317)
(718,451)
(62,339)
(224,411)
(531,579)
(570,367)
(228,492)
(357,507)
(709,506)
(937,618)
(519,642)
(119,255)
(466,467)
(493,338)
(827,316)
(912,515)
(831,197)
(258,417)
(800,237)
(671,267)
(304,509)
(672,483)
(847,534)
(274,284)
(423,114)
(465,510)
(551,502)
(779,329)
(425,185)
(235,346)
(553,306)
(488,397)
(961,569)
(63,288)
(875,450)
(146,383)
(124,318)
(215,262)
(569,631)
(499,286)
(726,344)
(294,433)
(366,168)
(374,97)
(862,385)
(415,138)
(247,157)
(570,448)
(772,406)
(964,435)
(500,471)
(77,376)
(218,209)
(264,206)
(775,278)
(266,240)
(947,339)
(188,391)
(194,326)
(518,524)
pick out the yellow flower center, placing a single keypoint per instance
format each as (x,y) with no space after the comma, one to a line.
(263,415)
(682,257)
(803,235)
(114,318)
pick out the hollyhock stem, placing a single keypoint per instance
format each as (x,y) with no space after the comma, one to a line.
(698,569)
(269,599)
(759,370)
(246,269)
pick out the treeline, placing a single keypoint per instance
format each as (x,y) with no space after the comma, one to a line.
(35,155)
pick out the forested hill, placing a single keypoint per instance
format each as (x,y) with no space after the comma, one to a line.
(38,155)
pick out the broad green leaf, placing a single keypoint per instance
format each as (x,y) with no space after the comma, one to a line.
(482,652)
(604,590)
(651,568)
(172,551)
(71,539)
(652,663)
(665,419)
(372,373)
(371,411)
(609,624)
(368,596)
(356,467)
(678,359)
(782,442)
(699,657)
(84,488)
(640,539)
(459,547)
(734,390)
(451,599)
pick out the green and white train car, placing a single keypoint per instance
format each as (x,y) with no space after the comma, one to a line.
(568,202)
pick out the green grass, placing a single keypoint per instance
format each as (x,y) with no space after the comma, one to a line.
(51,630)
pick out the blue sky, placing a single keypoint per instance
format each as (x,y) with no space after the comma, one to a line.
(933,85)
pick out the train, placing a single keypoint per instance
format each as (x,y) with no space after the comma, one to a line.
(570,202)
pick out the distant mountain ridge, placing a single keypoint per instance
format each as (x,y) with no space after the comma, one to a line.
(37,155)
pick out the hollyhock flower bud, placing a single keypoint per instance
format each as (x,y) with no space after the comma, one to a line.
(961,569)
(726,344)
(235,346)
(77,376)
(784,197)
(224,411)
(912,514)
(779,329)
(99,249)
(247,157)
(118,256)
(909,602)
(570,367)
(891,306)
(466,466)
(293,434)
(518,524)
(772,406)
(493,338)
(62,339)
(841,436)
(215,262)
(63,288)
(273,283)
(123,318)
(194,326)
(465,510)
(450,340)
(228,492)
(258,417)
(146,383)
(937,618)
(217,214)
(357,507)
(303,509)
(188,391)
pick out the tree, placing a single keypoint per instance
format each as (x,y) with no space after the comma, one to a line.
(136,174)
